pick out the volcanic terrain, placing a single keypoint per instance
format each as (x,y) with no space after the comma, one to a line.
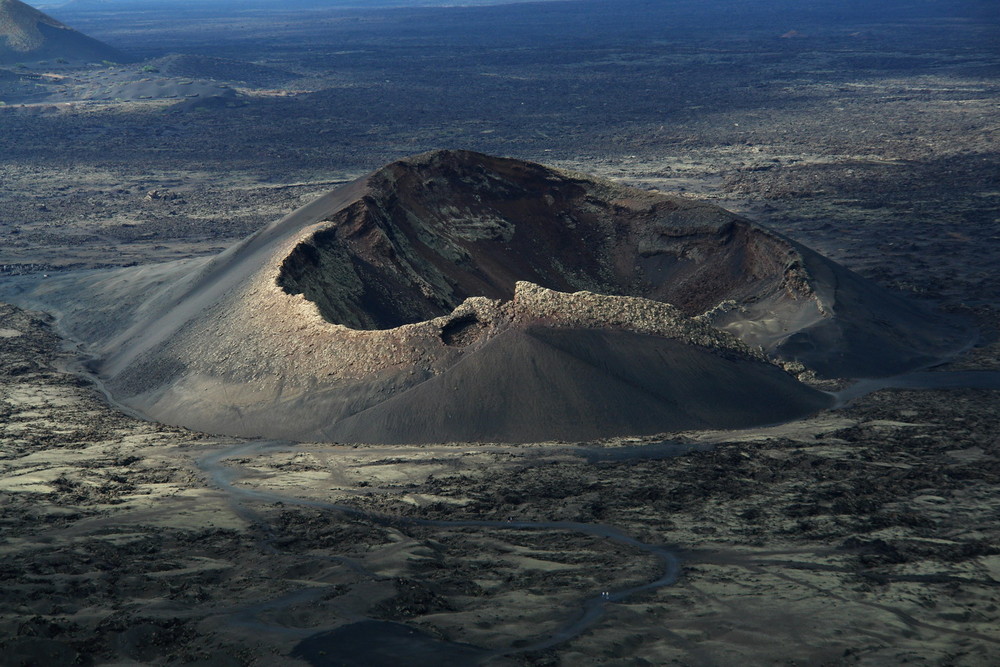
(27,34)
(863,535)
(454,296)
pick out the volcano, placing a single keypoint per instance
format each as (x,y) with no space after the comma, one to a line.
(28,35)
(454,296)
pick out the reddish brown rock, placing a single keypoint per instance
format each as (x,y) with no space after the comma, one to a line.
(457,296)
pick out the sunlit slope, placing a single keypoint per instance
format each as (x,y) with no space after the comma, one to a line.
(28,35)
(458,296)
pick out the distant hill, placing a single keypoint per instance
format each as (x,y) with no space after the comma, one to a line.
(219,69)
(28,35)
(115,5)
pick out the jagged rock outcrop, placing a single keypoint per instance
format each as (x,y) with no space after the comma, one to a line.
(457,296)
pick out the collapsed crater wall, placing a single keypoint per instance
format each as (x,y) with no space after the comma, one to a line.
(433,232)
(458,296)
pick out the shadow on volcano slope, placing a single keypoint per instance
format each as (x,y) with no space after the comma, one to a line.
(28,35)
(456,296)
(546,383)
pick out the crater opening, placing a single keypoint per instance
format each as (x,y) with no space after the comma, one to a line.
(408,252)
(461,331)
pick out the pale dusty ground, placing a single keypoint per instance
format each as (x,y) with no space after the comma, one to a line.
(865,536)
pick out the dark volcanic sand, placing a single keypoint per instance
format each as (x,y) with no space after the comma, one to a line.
(118,550)
(454,296)
(573,384)
(865,536)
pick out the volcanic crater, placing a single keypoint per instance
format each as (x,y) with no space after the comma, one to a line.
(434,232)
(454,296)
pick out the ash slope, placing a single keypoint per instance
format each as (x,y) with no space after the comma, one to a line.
(27,34)
(553,383)
(456,296)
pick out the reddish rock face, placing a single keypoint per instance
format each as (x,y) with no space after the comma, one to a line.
(435,230)
(454,296)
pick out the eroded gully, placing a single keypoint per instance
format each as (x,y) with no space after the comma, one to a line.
(592,608)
